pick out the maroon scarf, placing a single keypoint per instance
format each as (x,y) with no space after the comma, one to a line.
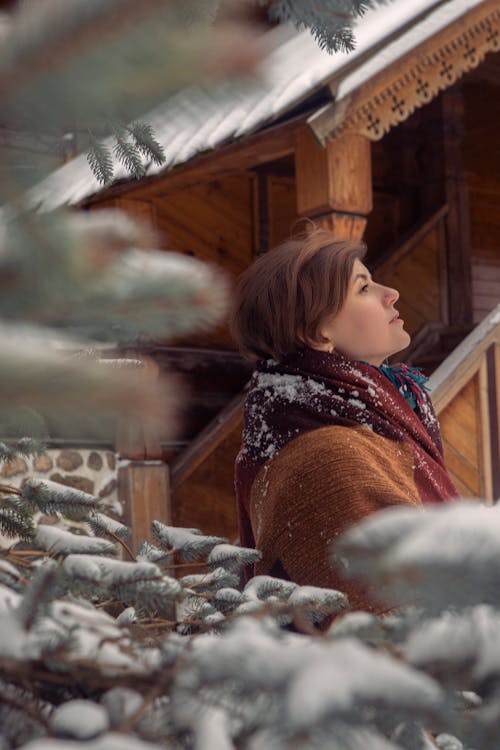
(311,389)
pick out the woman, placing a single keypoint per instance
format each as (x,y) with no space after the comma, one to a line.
(332,432)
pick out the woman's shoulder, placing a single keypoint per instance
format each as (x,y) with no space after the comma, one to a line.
(352,446)
(330,460)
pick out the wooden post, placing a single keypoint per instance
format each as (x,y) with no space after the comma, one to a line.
(458,218)
(143,488)
(143,480)
(334,184)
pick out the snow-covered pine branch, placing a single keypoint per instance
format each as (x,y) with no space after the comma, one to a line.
(58,541)
(188,544)
(232,558)
(51,497)
(101,524)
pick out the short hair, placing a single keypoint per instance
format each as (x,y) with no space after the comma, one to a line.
(284,297)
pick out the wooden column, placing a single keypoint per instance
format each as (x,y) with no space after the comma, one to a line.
(143,479)
(334,184)
(458,218)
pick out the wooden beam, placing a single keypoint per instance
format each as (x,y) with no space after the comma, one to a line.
(207,441)
(485,436)
(336,177)
(411,239)
(343,226)
(458,245)
(268,145)
(334,183)
(143,484)
(466,366)
(493,375)
(143,489)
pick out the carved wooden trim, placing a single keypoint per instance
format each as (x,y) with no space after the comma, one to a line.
(413,81)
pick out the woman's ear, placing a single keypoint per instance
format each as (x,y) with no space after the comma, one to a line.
(322,346)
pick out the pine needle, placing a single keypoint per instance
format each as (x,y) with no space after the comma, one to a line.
(330,21)
(128,154)
(146,143)
(100,160)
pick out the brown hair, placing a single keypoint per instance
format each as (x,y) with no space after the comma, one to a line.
(284,297)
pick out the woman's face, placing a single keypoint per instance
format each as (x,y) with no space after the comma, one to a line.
(367,326)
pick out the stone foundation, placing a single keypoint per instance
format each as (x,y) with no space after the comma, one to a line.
(93,471)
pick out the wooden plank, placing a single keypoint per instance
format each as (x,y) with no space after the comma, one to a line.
(143,488)
(343,226)
(464,371)
(413,238)
(337,177)
(138,209)
(460,427)
(461,469)
(269,145)
(206,498)
(457,220)
(486,438)
(222,231)
(282,207)
(493,375)
(487,287)
(207,441)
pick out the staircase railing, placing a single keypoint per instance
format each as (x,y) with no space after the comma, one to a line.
(465,390)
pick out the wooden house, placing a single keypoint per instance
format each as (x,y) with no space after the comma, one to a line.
(397,143)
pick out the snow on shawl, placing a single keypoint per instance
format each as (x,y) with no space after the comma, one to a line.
(311,389)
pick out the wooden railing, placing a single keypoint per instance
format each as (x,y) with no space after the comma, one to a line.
(465,390)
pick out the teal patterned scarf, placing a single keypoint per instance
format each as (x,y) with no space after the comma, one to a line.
(410,381)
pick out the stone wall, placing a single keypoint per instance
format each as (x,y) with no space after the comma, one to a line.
(93,471)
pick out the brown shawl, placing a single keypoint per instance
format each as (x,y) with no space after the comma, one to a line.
(310,390)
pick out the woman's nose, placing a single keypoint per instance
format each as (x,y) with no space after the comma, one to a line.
(391,295)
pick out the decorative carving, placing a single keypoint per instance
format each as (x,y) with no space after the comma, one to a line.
(420,79)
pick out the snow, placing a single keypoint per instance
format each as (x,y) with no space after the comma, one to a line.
(188,543)
(321,597)
(348,674)
(263,657)
(109,741)
(231,557)
(121,703)
(79,719)
(426,20)
(56,540)
(458,642)
(109,571)
(211,730)
(197,118)
(261,587)
(60,493)
(8,573)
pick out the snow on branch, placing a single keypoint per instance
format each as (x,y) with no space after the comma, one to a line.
(50,497)
(188,544)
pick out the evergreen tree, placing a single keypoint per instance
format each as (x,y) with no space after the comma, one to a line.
(104,652)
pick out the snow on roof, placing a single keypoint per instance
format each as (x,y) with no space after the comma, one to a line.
(198,119)
(458,355)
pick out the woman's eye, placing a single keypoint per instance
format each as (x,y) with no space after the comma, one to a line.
(364,288)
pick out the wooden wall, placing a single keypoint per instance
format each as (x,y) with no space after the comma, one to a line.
(417,272)
(481,149)
(461,430)
(206,498)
